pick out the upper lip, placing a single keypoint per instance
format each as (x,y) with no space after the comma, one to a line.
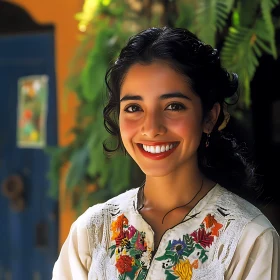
(151,143)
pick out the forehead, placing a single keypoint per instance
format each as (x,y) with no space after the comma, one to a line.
(156,77)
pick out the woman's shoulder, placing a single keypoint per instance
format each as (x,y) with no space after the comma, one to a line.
(260,225)
(238,209)
(234,206)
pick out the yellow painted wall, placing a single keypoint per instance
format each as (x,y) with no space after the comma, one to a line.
(61,14)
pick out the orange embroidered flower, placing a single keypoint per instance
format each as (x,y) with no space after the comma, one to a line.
(117,226)
(216,228)
(211,222)
(124,264)
(183,269)
(208,220)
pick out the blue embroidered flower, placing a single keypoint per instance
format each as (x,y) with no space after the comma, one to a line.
(178,246)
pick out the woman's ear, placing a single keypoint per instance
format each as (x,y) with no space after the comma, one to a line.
(212,118)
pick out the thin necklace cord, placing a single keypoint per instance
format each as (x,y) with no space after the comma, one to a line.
(143,198)
(184,204)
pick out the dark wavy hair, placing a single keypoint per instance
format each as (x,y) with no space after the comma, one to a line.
(224,161)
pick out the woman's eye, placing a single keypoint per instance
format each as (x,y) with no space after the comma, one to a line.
(132,109)
(175,107)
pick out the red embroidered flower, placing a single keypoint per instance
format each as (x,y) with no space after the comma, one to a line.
(140,242)
(124,264)
(120,237)
(204,239)
(131,231)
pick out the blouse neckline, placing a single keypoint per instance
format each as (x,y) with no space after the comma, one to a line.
(206,202)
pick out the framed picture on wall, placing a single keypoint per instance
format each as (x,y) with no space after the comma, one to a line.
(32,111)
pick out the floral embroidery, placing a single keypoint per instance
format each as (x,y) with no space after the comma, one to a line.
(124,264)
(183,269)
(130,249)
(183,255)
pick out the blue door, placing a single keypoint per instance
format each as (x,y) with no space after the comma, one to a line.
(28,237)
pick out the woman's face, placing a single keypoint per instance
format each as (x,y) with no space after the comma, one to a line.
(160,119)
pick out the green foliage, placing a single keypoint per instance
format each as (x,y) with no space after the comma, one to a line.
(212,16)
(243,30)
(249,36)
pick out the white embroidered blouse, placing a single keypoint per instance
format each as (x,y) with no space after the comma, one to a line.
(223,237)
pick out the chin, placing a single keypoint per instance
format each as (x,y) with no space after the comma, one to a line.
(155,172)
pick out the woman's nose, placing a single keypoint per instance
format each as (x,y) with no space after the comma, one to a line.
(153,125)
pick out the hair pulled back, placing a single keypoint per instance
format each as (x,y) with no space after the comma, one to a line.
(223,161)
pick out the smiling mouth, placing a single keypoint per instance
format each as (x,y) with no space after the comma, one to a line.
(158,148)
(159,151)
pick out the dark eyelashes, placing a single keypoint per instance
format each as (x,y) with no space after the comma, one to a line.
(170,107)
(176,107)
(135,108)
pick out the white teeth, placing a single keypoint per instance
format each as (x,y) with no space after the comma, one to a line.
(158,149)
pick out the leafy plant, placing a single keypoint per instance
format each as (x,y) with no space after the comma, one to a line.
(242,30)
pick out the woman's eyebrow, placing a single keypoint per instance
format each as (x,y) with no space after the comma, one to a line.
(131,97)
(162,97)
(174,95)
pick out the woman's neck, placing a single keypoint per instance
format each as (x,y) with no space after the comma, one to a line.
(170,191)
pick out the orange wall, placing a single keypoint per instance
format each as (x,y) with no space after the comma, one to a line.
(61,14)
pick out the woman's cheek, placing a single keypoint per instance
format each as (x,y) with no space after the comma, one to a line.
(128,128)
(186,128)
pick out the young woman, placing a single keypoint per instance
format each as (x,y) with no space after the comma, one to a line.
(167,110)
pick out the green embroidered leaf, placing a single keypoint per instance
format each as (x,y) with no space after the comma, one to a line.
(122,276)
(198,246)
(134,239)
(190,245)
(134,252)
(113,248)
(142,274)
(203,257)
(131,274)
(176,259)
(137,263)
(187,253)
(170,276)
(168,246)
(168,255)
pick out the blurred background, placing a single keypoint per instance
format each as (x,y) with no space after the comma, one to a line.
(53,57)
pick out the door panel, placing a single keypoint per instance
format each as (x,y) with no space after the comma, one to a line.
(28,239)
